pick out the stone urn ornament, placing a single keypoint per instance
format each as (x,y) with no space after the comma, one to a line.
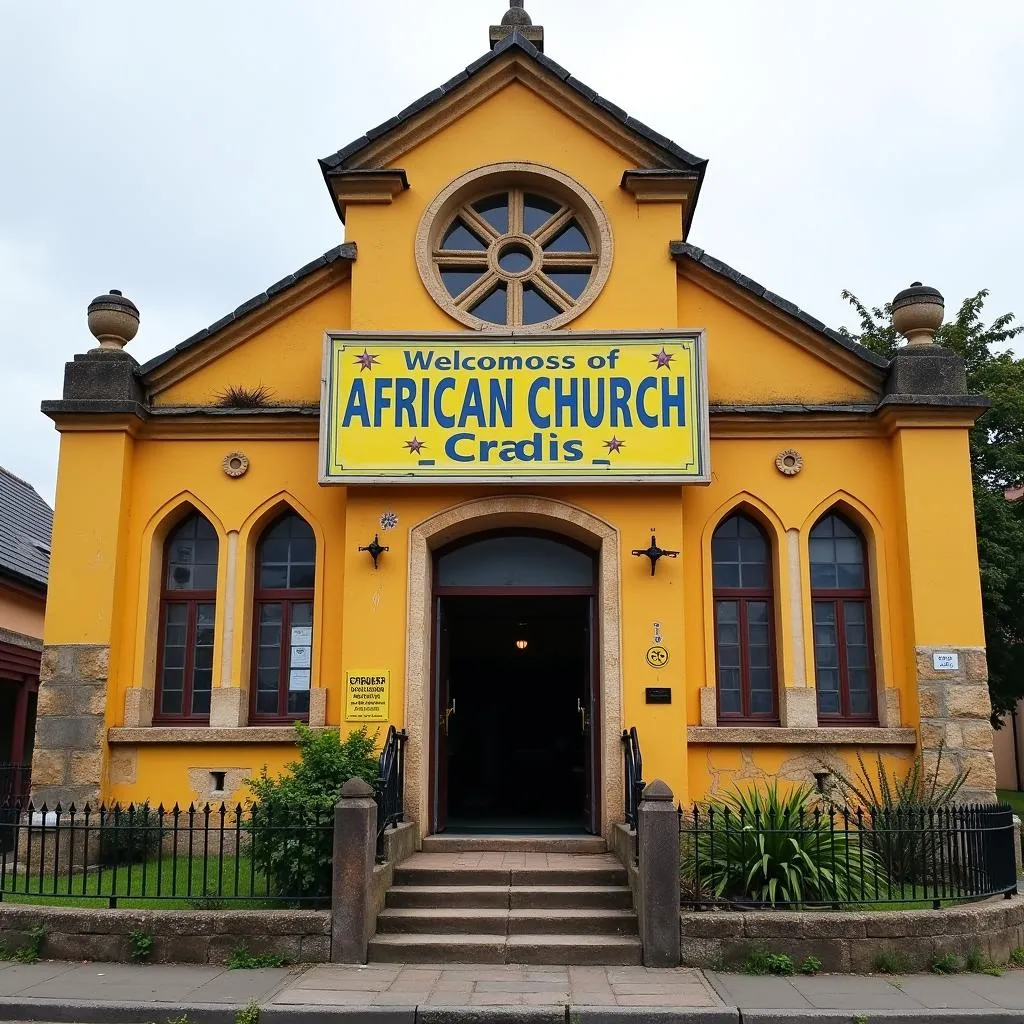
(113,320)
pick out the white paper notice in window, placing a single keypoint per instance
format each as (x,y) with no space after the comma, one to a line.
(302,636)
(298,679)
(301,657)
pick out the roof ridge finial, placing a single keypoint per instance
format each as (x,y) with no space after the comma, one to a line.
(515,19)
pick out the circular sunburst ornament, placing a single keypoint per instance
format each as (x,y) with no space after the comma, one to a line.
(789,462)
(235,464)
(388,521)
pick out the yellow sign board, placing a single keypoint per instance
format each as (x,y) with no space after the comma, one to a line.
(366,696)
(448,408)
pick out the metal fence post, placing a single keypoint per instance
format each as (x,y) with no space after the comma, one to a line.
(658,832)
(355,841)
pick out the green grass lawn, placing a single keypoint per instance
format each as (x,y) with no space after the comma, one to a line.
(136,886)
(1014,799)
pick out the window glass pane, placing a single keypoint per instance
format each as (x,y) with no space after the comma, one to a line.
(517,561)
(201,702)
(728,633)
(571,280)
(302,614)
(173,678)
(301,577)
(850,577)
(269,657)
(192,555)
(537,211)
(494,210)
(837,555)
(274,548)
(174,636)
(762,702)
(860,702)
(729,656)
(728,611)
(828,702)
(204,657)
(492,308)
(514,259)
(740,555)
(298,703)
(174,657)
(459,236)
(569,239)
(823,576)
(266,702)
(757,611)
(729,702)
(269,678)
(270,613)
(536,308)
(170,702)
(304,549)
(725,575)
(274,577)
(824,613)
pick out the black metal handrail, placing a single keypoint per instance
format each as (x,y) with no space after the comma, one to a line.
(634,775)
(855,857)
(390,788)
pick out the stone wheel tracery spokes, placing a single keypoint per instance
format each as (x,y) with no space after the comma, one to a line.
(515,258)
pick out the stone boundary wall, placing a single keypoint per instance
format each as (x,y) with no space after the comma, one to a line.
(187,937)
(849,942)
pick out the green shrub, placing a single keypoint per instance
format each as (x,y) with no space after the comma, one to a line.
(130,835)
(250,1014)
(947,963)
(242,960)
(29,953)
(142,945)
(295,857)
(890,961)
(761,962)
(811,965)
(772,849)
(1017,957)
(894,806)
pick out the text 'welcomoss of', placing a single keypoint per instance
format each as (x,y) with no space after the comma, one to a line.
(447,408)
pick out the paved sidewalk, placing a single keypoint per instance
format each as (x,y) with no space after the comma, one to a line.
(466,994)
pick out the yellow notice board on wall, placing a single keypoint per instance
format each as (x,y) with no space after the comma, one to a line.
(366,696)
(535,408)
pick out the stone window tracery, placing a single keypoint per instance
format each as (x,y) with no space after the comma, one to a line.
(514,246)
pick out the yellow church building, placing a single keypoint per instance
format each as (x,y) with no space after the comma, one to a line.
(515,468)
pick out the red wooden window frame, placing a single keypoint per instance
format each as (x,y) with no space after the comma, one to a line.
(191,600)
(838,597)
(287,598)
(743,597)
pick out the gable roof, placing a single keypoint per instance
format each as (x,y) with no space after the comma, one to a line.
(346,251)
(26,526)
(684,250)
(674,155)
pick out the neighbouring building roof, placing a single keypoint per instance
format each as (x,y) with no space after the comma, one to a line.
(26,525)
(1014,493)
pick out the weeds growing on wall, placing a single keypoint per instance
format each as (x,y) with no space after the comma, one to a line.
(238,396)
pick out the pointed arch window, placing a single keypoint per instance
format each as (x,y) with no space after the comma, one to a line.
(188,606)
(841,609)
(744,622)
(283,621)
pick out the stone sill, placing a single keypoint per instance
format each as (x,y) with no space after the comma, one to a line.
(203,734)
(832,737)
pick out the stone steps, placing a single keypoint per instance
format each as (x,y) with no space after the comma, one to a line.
(503,902)
(516,897)
(569,950)
(473,920)
(514,844)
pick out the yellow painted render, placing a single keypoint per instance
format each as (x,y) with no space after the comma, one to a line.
(750,363)
(20,612)
(514,124)
(286,357)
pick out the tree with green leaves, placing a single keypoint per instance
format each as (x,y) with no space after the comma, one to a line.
(997,464)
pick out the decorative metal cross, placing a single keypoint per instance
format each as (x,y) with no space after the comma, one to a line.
(374,549)
(654,553)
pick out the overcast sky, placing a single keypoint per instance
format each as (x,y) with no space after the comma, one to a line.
(170,150)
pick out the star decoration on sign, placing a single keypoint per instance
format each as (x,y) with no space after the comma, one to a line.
(614,446)
(662,358)
(366,361)
(415,446)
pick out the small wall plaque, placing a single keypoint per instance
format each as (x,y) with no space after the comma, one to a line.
(659,694)
(945,661)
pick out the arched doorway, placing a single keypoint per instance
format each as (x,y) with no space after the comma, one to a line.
(516,744)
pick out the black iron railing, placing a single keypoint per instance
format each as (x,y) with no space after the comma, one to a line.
(633,776)
(846,858)
(205,857)
(390,788)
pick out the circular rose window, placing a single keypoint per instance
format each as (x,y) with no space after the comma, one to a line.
(514,246)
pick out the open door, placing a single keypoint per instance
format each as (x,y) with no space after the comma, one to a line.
(444,709)
(591,726)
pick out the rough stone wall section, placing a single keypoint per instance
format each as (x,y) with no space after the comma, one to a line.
(851,943)
(955,710)
(67,764)
(187,937)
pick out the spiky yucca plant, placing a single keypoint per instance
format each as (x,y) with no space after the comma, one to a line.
(773,848)
(239,396)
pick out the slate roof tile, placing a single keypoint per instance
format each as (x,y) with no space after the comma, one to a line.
(26,527)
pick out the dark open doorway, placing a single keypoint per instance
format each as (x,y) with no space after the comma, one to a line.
(514,692)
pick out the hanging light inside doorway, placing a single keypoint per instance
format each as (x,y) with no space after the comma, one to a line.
(522,642)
